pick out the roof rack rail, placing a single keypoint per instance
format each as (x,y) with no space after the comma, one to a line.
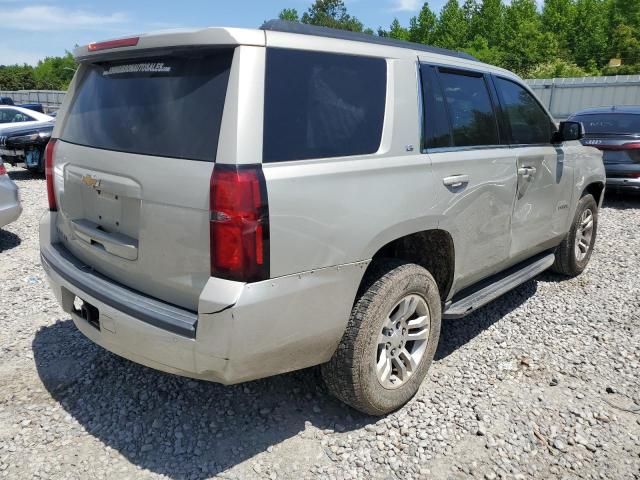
(304,29)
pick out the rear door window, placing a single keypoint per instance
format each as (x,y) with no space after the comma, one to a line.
(322,105)
(437,131)
(470,109)
(167,106)
(528,122)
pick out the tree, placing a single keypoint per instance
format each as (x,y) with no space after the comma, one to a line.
(289,14)
(452,29)
(55,73)
(17,77)
(523,42)
(422,27)
(398,31)
(333,14)
(557,68)
(589,39)
(488,22)
(558,17)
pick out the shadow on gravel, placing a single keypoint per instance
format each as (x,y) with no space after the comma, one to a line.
(456,333)
(175,426)
(621,201)
(25,175)
(8,240)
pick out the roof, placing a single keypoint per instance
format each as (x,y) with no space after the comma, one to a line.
(634,109)
(303,29)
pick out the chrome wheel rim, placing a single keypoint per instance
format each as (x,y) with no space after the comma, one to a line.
(584,234)
(402,341)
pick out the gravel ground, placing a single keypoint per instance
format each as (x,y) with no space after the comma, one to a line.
(543,383)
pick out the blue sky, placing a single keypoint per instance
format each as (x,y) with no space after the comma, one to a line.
(33,29)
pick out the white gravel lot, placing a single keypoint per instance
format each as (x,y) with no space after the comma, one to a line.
(543,383)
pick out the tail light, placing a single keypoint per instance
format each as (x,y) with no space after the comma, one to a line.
(239,223)
(3,169)
(109,44)
(48,171)
(624,146)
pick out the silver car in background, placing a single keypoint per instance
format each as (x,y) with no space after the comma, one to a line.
(10,208)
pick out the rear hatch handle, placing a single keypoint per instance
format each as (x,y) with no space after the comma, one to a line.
(114,243)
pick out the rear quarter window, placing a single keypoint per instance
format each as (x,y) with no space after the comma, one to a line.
(322,105)
(167,106)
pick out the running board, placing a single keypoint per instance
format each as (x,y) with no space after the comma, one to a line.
(497,286)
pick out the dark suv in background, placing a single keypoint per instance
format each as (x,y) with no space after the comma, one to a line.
(615,131)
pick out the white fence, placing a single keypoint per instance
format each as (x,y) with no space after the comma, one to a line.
(564,96)
(49,99)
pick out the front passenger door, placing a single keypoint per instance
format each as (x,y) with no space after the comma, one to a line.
(541,207)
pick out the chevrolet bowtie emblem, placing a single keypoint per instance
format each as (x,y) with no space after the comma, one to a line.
(89,181)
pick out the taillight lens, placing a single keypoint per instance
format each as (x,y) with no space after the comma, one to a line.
(239,223)
(3,169)
(48,171)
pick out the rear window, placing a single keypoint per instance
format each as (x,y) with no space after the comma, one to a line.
(168,106)
(322,105)
(610,123)
(473,121)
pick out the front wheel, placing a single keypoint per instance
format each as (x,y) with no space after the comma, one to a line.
(574,253)
(390,339)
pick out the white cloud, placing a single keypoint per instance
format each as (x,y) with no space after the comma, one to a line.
(11,56)
(405,5)
(46,18)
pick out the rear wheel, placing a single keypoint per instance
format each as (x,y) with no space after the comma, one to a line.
(574,253)
(390,339)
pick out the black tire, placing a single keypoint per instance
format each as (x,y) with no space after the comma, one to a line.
(567,262)
(351,374)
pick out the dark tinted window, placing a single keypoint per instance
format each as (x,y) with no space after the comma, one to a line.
(470,109)
(170,106)
(610,123)
(320,105)
(8,115)
(436,123)
(528,121)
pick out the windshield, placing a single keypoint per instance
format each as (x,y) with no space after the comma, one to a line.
(610,123)
(167,106)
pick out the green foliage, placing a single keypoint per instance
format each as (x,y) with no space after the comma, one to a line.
(557,69)
(422,28)
(398,31)
(452,29)
(289,14)
(333,14)
(559,39)
(52,73)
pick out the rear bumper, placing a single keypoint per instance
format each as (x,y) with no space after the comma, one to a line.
(241,331)
(623,183)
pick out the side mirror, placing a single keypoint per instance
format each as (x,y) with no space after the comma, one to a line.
(568,131)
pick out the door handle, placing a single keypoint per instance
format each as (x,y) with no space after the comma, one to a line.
(527,171)
(456,180)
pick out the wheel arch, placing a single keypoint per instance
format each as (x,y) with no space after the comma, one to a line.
(596,189)
(432,249)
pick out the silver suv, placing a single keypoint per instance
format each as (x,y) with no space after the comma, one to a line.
(229,204)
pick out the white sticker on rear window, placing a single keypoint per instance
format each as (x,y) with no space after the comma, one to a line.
(159,67)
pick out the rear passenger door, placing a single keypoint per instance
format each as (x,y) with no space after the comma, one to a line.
(541,207)
(473,170)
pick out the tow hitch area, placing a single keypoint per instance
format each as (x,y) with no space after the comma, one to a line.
(87,312)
